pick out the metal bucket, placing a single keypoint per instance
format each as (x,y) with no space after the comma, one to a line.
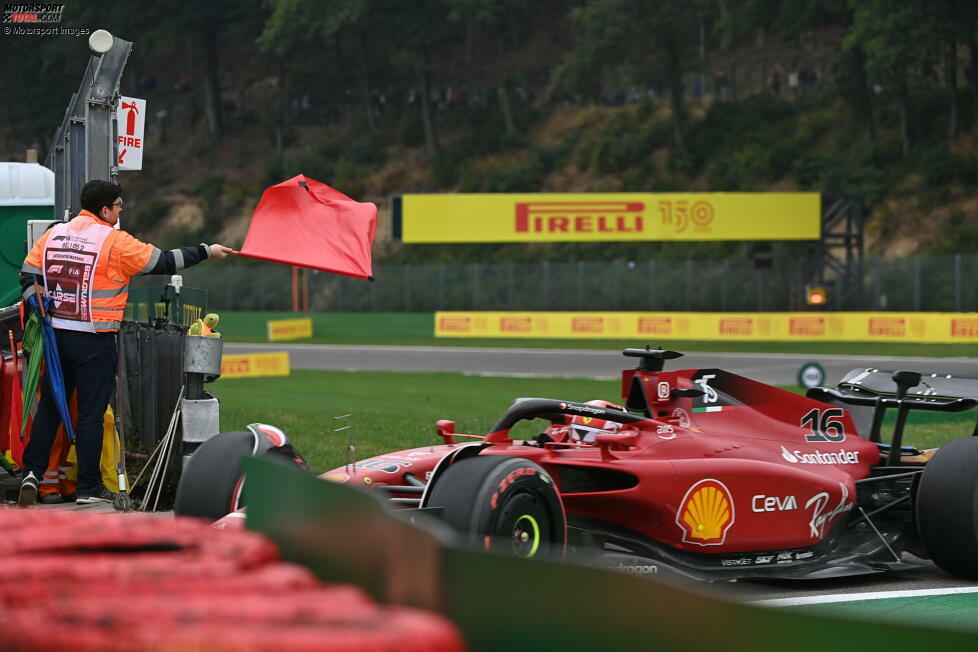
(202,355)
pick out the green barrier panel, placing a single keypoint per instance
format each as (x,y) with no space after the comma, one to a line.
(346,535)
(13,246)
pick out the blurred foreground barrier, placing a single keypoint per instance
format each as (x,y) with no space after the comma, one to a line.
(82,581)
(502,603)
(719,326)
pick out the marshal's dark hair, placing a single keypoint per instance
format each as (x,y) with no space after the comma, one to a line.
(97,193)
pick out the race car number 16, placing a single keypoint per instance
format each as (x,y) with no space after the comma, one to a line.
(825,425)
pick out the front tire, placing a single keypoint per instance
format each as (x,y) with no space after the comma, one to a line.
(212,484)
(947,507)
(502,504)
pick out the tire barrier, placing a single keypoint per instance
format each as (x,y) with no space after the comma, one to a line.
(143,582)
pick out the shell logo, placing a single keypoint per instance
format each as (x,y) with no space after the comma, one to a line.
(706,513)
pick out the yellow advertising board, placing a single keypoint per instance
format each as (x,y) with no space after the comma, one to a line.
(255,365)
(289,329)
(651,327)
(595,217)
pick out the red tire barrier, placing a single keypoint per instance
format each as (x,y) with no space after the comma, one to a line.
(142,582)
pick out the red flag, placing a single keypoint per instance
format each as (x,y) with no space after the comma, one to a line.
(306,223)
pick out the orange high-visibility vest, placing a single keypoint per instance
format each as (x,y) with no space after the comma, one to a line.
(86,265)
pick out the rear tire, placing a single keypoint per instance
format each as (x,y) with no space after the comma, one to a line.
(947,507)
(502,504)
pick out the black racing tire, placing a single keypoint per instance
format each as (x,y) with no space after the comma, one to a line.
(502,504)
(212,484)
(947,507)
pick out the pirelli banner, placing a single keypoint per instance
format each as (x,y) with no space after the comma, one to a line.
(762,326)
(447,218)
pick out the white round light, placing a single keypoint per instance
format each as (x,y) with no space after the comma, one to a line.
(100,41)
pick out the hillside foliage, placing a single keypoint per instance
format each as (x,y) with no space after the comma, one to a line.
(380,97)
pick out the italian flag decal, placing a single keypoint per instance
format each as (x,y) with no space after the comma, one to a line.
(715,408)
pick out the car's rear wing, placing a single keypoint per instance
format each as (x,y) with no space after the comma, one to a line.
(878,382)
(864,390)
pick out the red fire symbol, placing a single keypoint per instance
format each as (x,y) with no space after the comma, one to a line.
(131,118)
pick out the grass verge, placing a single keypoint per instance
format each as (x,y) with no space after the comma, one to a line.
(417,329)
(393,411)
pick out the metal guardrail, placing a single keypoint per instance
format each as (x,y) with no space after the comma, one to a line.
(917,283)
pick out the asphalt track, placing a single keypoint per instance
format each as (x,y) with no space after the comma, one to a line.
(776,369)
(771,368)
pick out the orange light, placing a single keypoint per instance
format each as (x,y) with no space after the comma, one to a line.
(815,295)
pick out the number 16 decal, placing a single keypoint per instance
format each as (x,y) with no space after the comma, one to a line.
(825,425)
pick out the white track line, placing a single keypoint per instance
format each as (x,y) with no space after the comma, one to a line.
(854,597)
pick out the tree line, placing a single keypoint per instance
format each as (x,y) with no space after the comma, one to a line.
(889,51)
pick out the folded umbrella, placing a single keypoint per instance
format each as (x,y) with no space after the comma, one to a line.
(52,372)
(32,343)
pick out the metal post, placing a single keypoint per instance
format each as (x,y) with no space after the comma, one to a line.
(295,289)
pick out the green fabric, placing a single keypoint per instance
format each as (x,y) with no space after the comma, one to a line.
(33,345)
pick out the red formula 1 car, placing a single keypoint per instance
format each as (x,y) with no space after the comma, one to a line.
(702,473)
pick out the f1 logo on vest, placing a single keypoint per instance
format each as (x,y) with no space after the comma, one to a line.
(55,269)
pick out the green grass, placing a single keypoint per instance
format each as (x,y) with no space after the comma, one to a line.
(391,411)
(417,329)
(394,411)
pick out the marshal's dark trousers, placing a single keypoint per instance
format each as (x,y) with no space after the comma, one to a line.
(88,361)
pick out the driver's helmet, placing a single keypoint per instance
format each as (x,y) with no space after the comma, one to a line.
(585,430)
